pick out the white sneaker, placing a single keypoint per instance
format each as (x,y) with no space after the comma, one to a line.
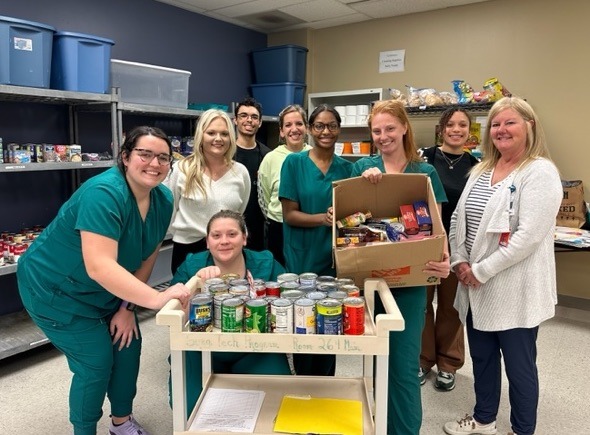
(130,427)
(468,425)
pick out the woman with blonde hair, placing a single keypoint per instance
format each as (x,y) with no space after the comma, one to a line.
(206,181)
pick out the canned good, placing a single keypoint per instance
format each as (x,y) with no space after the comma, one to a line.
(238,282)
(304,317)
(316,296)
(217,300)
(215,289)
(201,313)
(239,290)
(338,294)
(284,277)
(281,316)
(329,317)
(326,287)
(325,279)
(308,278)
(232,315)
(269,300)
(229,276)
(255,315)
(292,295)
(351,290)
(273,288)
(354,316)
(209,282)
(259,290)
(19,249)
(289,285)
(344,281)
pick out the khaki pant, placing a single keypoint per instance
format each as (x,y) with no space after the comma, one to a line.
(443,341)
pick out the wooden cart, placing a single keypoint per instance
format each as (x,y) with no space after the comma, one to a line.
(375,342)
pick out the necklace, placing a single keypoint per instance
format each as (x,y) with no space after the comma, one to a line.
(450,162)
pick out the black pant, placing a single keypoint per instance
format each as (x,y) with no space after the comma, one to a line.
(274,237)
(181,250)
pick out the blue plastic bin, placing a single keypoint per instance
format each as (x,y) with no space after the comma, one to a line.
(25,52)
(280,63)
(81,63)
(274,97)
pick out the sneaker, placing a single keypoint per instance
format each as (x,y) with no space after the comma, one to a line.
(130,427)
(422,375)
(445,381)
(468,425)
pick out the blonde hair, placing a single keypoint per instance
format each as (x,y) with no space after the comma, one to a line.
(193,166)
(536,144)
(397,109)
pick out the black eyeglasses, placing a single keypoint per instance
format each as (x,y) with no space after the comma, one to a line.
(147,156)
(318,127)
(244,116)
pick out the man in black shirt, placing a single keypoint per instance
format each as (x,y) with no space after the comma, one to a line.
(250,152)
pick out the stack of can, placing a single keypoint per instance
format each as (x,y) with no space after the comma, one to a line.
(13,245)
(299,304)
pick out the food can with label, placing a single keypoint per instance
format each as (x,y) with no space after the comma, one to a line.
(329,317)
(304,317)
(284,277)
(217,300)
(351,290)
(273,288)
(239,290)
(238,281)
(344,281)
(316,296)
(232,315)
(292,295)
(209,282)
(337,294)
(289,285)
(308,278)
(326,287)
(281,316)
(354,316)
(325,278)
(215,289)
(255,315)
(201,313)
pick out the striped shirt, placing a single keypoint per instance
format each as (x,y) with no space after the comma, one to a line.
(476,203)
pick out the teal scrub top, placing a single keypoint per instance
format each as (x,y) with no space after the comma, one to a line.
(261,265)
(412,168)
(53,268)
(309,249)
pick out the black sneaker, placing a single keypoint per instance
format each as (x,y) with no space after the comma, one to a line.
(445,381)
(422,375)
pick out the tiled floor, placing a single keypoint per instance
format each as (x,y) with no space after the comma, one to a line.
(34,386)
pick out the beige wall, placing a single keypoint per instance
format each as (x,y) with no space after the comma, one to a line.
(537,48)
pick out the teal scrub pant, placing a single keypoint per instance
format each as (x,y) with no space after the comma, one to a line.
(252,363)
(404,401)
(98,366)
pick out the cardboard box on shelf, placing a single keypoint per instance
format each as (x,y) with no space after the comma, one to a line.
(400,264)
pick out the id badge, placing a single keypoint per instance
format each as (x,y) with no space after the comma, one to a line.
(504,238)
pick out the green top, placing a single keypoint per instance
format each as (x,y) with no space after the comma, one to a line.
(309,249)
(412,168)
(261,265)
(53,265)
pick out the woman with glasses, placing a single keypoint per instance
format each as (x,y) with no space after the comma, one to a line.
(305,192)
(84,274)
(206,181)
(293,131)
(393,136)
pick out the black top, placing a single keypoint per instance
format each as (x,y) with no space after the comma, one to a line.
(453,172)
(251,159)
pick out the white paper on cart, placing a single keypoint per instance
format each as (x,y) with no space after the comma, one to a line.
(228,410)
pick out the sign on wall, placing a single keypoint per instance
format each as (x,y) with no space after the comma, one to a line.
(392,61)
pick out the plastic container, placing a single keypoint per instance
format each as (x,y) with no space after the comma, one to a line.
(153,85)
(281,63)
(81,62)
(25,52)
(274,97)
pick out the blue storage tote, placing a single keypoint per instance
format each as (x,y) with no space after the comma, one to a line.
(274,97)
(81,63)
(25,52)
(280,63)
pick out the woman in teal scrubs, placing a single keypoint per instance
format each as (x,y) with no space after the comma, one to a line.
(305,192)
(84,274)
(226,238)
(393,136)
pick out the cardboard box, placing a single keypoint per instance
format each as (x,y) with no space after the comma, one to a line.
(400,264)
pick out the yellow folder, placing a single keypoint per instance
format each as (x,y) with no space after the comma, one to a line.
(305,415)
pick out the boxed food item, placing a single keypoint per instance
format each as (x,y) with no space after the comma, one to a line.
(61,153)
(400,264)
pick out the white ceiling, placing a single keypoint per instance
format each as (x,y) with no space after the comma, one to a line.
(268,16)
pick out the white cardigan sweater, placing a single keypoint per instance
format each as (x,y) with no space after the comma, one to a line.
(518,288)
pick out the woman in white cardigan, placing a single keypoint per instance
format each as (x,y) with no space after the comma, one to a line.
(501,242)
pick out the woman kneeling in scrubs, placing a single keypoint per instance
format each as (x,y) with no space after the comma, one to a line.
(226,238)
(84,274)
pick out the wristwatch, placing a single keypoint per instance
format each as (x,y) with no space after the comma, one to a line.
(128,305)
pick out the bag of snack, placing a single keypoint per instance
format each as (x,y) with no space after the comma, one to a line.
(572,212)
